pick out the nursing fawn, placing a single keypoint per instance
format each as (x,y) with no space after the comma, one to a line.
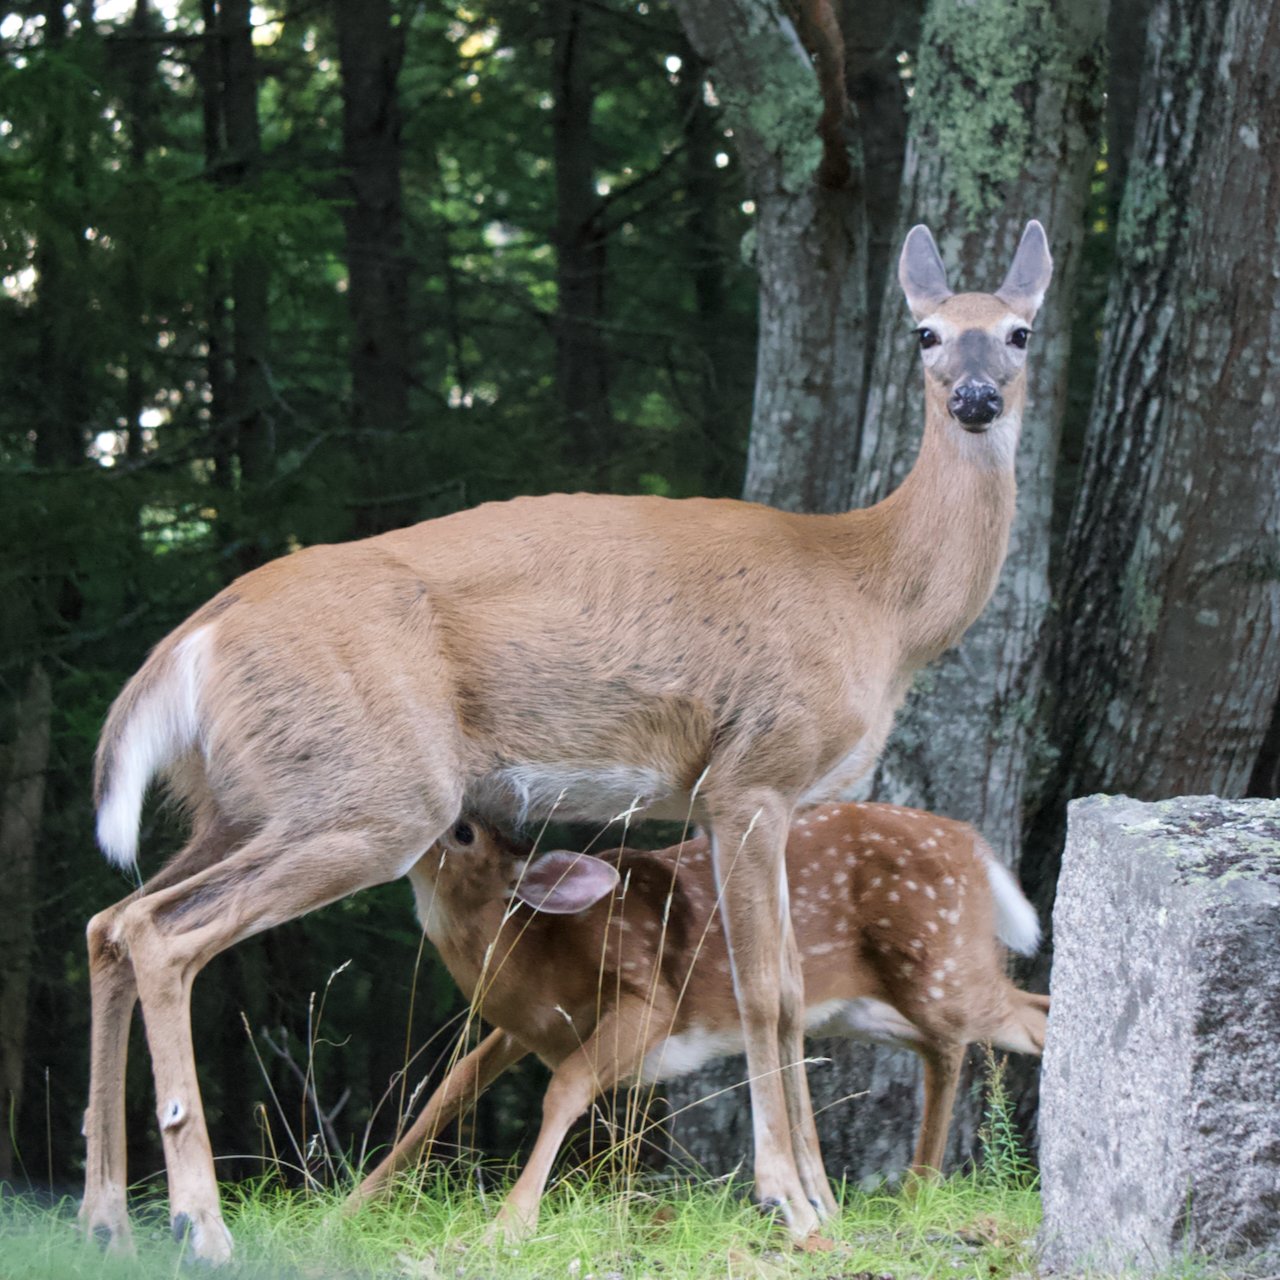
(613,969)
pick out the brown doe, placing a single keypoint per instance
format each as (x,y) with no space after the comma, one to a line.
(327,718)
(613,968)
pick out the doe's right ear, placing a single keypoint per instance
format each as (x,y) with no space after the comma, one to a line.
(921,272)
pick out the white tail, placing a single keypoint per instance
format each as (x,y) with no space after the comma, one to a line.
(1017,924)
(145,736)
(328,716)
(894,919)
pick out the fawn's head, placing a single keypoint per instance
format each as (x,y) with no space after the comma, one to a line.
(475,864)
(974,345)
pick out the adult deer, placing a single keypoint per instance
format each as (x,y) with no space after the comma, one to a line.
(613,969)
(326,718)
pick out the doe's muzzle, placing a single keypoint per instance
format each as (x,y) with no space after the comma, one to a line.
(975,405)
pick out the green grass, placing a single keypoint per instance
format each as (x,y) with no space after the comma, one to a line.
(965,1227)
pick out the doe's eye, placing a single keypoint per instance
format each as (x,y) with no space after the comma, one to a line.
(927,338)
(1018,338)
(464,833)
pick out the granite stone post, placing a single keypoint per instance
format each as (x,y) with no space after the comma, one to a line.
(1160,1089)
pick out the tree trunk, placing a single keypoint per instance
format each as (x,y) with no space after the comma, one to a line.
(810,250)
(1170,644)
(582,363)
(250,392)
(371,49)
(878,33)
(22,777)
(718,410)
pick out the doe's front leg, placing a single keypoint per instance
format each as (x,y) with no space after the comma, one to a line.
(748,842)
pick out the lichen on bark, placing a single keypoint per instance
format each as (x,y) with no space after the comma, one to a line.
(981,64)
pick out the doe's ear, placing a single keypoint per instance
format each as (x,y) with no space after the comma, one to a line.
(1029,275)
(562,883)
(921,273)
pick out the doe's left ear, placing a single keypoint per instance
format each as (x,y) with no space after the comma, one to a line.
(562,883)
(1024,287)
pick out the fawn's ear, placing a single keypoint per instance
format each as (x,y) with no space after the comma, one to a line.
(561,882)
(1029,275)
(921,274)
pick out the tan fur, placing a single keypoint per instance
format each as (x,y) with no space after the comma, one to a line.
(890,904)
(575,653)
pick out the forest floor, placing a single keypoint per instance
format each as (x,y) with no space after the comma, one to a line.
(967,1228)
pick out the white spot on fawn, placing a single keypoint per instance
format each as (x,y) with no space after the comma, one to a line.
(174,1115)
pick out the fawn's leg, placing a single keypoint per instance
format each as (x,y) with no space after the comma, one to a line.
(456,1093)
(941,1077)
(614,1052)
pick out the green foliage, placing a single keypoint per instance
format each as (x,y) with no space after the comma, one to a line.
(1005,1163)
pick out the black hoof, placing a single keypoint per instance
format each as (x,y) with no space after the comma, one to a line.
(181,1227)
(103,1235)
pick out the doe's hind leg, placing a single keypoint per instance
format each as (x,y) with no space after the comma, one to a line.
(113,993)
(173,933)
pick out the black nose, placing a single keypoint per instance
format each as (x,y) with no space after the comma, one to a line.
(975,404)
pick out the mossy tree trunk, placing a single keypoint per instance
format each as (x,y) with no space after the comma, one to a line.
(809,245)
(1168,657)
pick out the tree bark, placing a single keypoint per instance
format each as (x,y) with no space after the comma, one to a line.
(371,50)
(582,357)
(718,410)
(810,251)
(250,392)
(1170,643)
(22,777)
(878,33)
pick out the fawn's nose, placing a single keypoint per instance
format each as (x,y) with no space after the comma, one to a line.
(975,405)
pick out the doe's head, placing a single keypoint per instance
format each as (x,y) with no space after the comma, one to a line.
(974,345)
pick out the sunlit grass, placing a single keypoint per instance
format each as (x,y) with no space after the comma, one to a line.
(964,1227)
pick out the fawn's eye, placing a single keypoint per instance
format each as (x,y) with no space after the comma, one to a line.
(464,833)
(927,338)
(1018,338)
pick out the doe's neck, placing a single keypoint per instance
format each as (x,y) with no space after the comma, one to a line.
(932,550)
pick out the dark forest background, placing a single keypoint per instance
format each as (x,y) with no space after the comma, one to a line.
(277,275)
